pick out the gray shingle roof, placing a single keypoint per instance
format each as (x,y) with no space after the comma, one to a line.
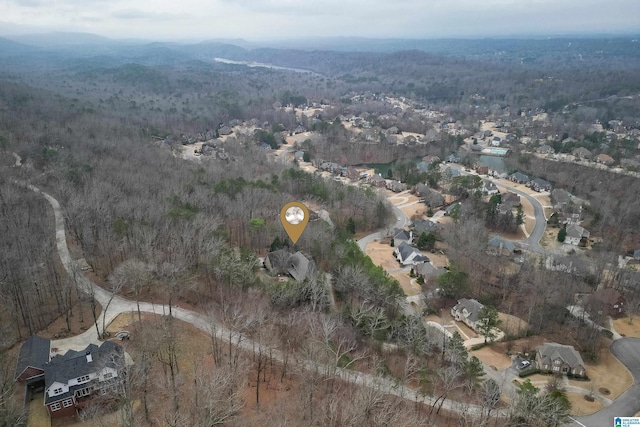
(551,351)
(33,353)
(473,308)
(298,266)
(74,364)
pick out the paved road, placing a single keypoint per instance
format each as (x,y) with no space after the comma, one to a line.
(627,350)
(533,241)
(402,221)
(120,305)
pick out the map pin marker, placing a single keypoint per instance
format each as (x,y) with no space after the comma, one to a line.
(294,217)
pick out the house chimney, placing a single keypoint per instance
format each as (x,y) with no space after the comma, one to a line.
(89,358)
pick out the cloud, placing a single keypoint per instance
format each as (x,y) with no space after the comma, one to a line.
(137,14)
(272,19)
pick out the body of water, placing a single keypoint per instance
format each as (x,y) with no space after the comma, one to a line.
(263,65)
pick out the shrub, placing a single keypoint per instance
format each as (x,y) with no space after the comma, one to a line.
(529,371)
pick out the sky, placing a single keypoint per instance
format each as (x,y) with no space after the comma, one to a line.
(258,20)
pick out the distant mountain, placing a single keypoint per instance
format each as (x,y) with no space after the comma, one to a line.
(12,48)
(63,39)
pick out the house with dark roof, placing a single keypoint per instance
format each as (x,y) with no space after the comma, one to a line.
(540,185)
(399,235)
(295,265)
(489,188)
(519,178)
(408,255)
(560,359)
(427,271)
(467,311)
(74,379)
(33,355)
(575,234)
(425,226)
(609,302)
(498,246)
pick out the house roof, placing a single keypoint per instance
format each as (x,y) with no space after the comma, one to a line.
(428,270)
(497,241)
(519,176)
(405,250)
(541,182)
(74,364)
(472,306)
(298,266)
(278,260)
(607,296)
(33,353)
(577,232)
(425,226)
(636,254)
(551,351)
(400,234)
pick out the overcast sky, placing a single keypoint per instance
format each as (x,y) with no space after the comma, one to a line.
(257,20)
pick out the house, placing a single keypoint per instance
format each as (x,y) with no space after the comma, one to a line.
(560,359)
(34,354)
(399,235)
(636,254)
(575,234)
(73,380)
(408,255)
(299,155)
(451,208)
(609,302)
(295,265)
(299,266)
(545,149)
(424,166)
(489,188)
(498,246)
(510,198)
(378,181)
(519,178)
(605,159)
(467,311)
(427,271)
(561,198)
(425,226)
(395,186)
(540,185)
(482,170)
(581,153)
(495,142)
(452,158)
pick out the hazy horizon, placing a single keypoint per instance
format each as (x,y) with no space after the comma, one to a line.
(284,20)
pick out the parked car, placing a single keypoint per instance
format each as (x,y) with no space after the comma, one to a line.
(524,364)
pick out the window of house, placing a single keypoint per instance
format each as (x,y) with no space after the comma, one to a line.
(556,368)
(83,379)
(57,391)
(67,402)
(83,392)
(54,406)
(108,375)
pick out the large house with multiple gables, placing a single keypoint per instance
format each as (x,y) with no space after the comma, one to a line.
(560,359)
(72,380)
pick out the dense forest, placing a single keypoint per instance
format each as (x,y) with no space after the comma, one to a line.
(98,131)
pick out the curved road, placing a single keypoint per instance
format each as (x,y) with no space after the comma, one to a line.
(627,350)
(120,305)
(533,241)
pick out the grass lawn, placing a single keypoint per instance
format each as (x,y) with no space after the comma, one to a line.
(493,357)
(623,327)
(580,406)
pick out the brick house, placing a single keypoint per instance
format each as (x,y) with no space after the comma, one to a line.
(73,380)
(560,359)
